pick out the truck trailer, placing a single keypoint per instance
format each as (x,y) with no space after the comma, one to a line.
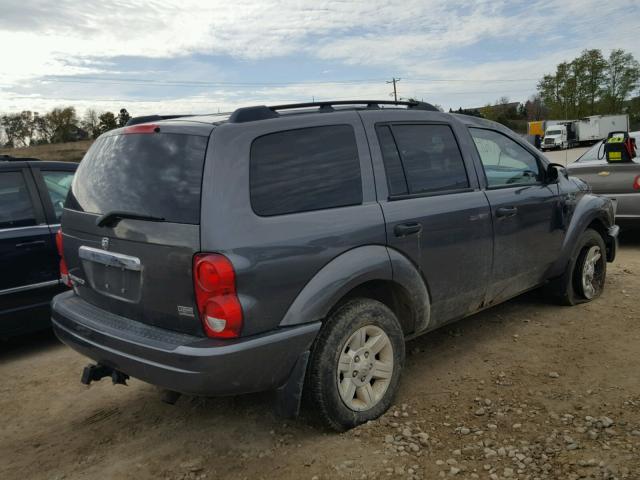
(586,131)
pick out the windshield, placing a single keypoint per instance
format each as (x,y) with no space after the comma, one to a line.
(596,152)
(591,155)
(554,132)
(157,175)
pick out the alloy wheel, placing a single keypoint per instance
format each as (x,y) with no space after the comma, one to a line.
(592,272)
(365,368)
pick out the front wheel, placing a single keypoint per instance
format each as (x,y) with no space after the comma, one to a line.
(591,270)
(355,364)
(586,273)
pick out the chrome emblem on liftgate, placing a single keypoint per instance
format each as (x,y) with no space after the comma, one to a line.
(105,243)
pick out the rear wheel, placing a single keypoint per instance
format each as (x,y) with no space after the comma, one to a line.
(355,364)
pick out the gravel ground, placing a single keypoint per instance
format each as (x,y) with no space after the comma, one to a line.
(525,390)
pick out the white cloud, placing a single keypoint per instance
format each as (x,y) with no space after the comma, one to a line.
(51,33)
(413,37)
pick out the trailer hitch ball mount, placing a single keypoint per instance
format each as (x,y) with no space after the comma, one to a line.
(94,373)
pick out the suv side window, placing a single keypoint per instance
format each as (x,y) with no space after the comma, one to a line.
(426,159)
(305,169)
(504,161)
(16,209)
(58,184)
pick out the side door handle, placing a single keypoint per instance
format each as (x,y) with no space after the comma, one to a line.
(36,243)
(405,229)
(506,211)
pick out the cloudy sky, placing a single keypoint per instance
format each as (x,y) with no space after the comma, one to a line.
(207,56)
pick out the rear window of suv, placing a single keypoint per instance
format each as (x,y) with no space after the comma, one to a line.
(306,169)
(158,174)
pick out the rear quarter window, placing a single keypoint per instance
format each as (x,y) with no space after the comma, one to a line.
(16,209)
(57,184)
(305,169)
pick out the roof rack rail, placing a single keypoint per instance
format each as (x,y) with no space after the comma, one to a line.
(262,112)
(152,118)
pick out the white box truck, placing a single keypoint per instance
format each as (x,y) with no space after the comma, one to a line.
(588,130)
(597,127)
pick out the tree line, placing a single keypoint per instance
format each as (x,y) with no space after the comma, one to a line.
(590,84)
(57,126)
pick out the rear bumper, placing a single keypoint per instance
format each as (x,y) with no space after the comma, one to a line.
(180,362)
(628,222)
(627,206)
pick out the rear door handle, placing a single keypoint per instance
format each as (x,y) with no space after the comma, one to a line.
(506,211)
(36,243)
(407,229)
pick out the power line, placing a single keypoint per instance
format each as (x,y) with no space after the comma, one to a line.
(201,100)
(196,83)
(190,83)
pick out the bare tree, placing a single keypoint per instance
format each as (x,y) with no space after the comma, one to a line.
(91,122)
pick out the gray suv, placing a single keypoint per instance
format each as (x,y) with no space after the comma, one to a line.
(295,248)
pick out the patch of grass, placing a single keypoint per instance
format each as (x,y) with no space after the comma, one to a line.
(63,152)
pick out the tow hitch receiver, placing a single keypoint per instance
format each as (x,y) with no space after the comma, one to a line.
(94,373)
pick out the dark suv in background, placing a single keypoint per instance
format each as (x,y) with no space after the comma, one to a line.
(301,245)
(32,195)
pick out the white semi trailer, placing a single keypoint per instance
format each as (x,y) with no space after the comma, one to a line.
(587,130)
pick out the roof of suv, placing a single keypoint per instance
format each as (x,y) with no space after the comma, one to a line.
(262,112)
(202,124)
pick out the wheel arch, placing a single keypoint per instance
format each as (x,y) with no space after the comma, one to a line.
(592,211)
(371,271)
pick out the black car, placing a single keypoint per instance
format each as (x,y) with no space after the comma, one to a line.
(32,194)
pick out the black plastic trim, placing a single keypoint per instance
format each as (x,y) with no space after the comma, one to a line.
(263,112)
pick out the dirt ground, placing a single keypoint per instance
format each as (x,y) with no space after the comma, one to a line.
(565,157)
(525,390)
(63,152)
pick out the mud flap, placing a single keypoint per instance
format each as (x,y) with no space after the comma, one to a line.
(289,395)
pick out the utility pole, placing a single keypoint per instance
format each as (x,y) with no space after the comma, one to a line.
(395,80)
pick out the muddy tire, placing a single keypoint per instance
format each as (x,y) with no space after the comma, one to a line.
(586,272)
(355,364)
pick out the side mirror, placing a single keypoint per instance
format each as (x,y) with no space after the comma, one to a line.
(552,172)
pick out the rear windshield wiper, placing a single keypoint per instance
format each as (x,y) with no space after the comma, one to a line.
(110,219)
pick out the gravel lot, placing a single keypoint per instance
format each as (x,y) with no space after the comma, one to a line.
(564,157)
(524,390)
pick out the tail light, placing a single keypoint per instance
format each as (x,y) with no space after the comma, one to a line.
(64,271)
(142,128)
(214,283)
(636,183)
